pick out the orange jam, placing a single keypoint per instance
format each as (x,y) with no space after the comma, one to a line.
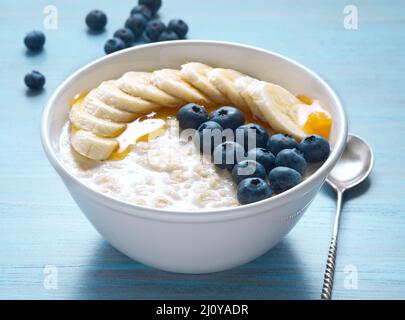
(314,119)
(318,123)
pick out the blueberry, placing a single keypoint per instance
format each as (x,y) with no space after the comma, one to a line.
(208,136)
(146,38)
(96,20)
(114,44)
(252,190)
(254,136)
(315,148)
(283,178)
(291,158)
(153,30)
(125,35)
(168,36)
(227,154)
(179,27)
(136,23)
(153,5)
(143,10)
(280,141)
(248,169)
(34,80)
(34,40)
(191,116)
(264,157)
(228,117)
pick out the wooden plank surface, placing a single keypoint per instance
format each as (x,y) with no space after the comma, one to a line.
(40,224)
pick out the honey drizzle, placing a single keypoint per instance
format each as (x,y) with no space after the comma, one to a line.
(78,99)
(304,99)
(167,114)
(137,131)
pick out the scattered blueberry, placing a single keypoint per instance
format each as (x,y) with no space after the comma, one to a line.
(143,10)
(153,30)
(208,136)
(136,23)
(168,36)
(228,117)
(153,5)
(125,35)
(227,154)
(283,178)
(191,115)
(252,190)
(315,148)
(114,44)
(96,20)
(280,141)
(291,158)
(34,40)
(248,169)
(179,27)
(254,136)
(34,80)
(264,157)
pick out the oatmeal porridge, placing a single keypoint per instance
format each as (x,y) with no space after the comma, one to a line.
(124,138)
(163,172)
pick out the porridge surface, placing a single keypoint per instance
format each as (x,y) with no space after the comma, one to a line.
(164,172)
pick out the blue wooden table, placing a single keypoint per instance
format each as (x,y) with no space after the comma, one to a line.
(41,226)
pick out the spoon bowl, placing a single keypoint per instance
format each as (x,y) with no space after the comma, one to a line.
(352,168)
(354,165)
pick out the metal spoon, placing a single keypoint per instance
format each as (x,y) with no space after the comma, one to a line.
(353,168)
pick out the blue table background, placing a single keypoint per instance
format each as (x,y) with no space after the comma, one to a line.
(41,225)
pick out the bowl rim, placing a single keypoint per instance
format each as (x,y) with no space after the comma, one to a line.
(205,215)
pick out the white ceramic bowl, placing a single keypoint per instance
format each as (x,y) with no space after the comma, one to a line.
(203,241)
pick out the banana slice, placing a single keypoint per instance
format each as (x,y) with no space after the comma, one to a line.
(224,80)
(92,105)
(197,74)
(92,146)
(241,85)
(171,81)
(277,106)
(105,128)
(109,93)
(139,84)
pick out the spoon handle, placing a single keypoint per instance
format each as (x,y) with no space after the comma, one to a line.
(331,262)
(329,271)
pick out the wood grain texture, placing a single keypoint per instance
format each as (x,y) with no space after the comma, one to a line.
(41,225)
